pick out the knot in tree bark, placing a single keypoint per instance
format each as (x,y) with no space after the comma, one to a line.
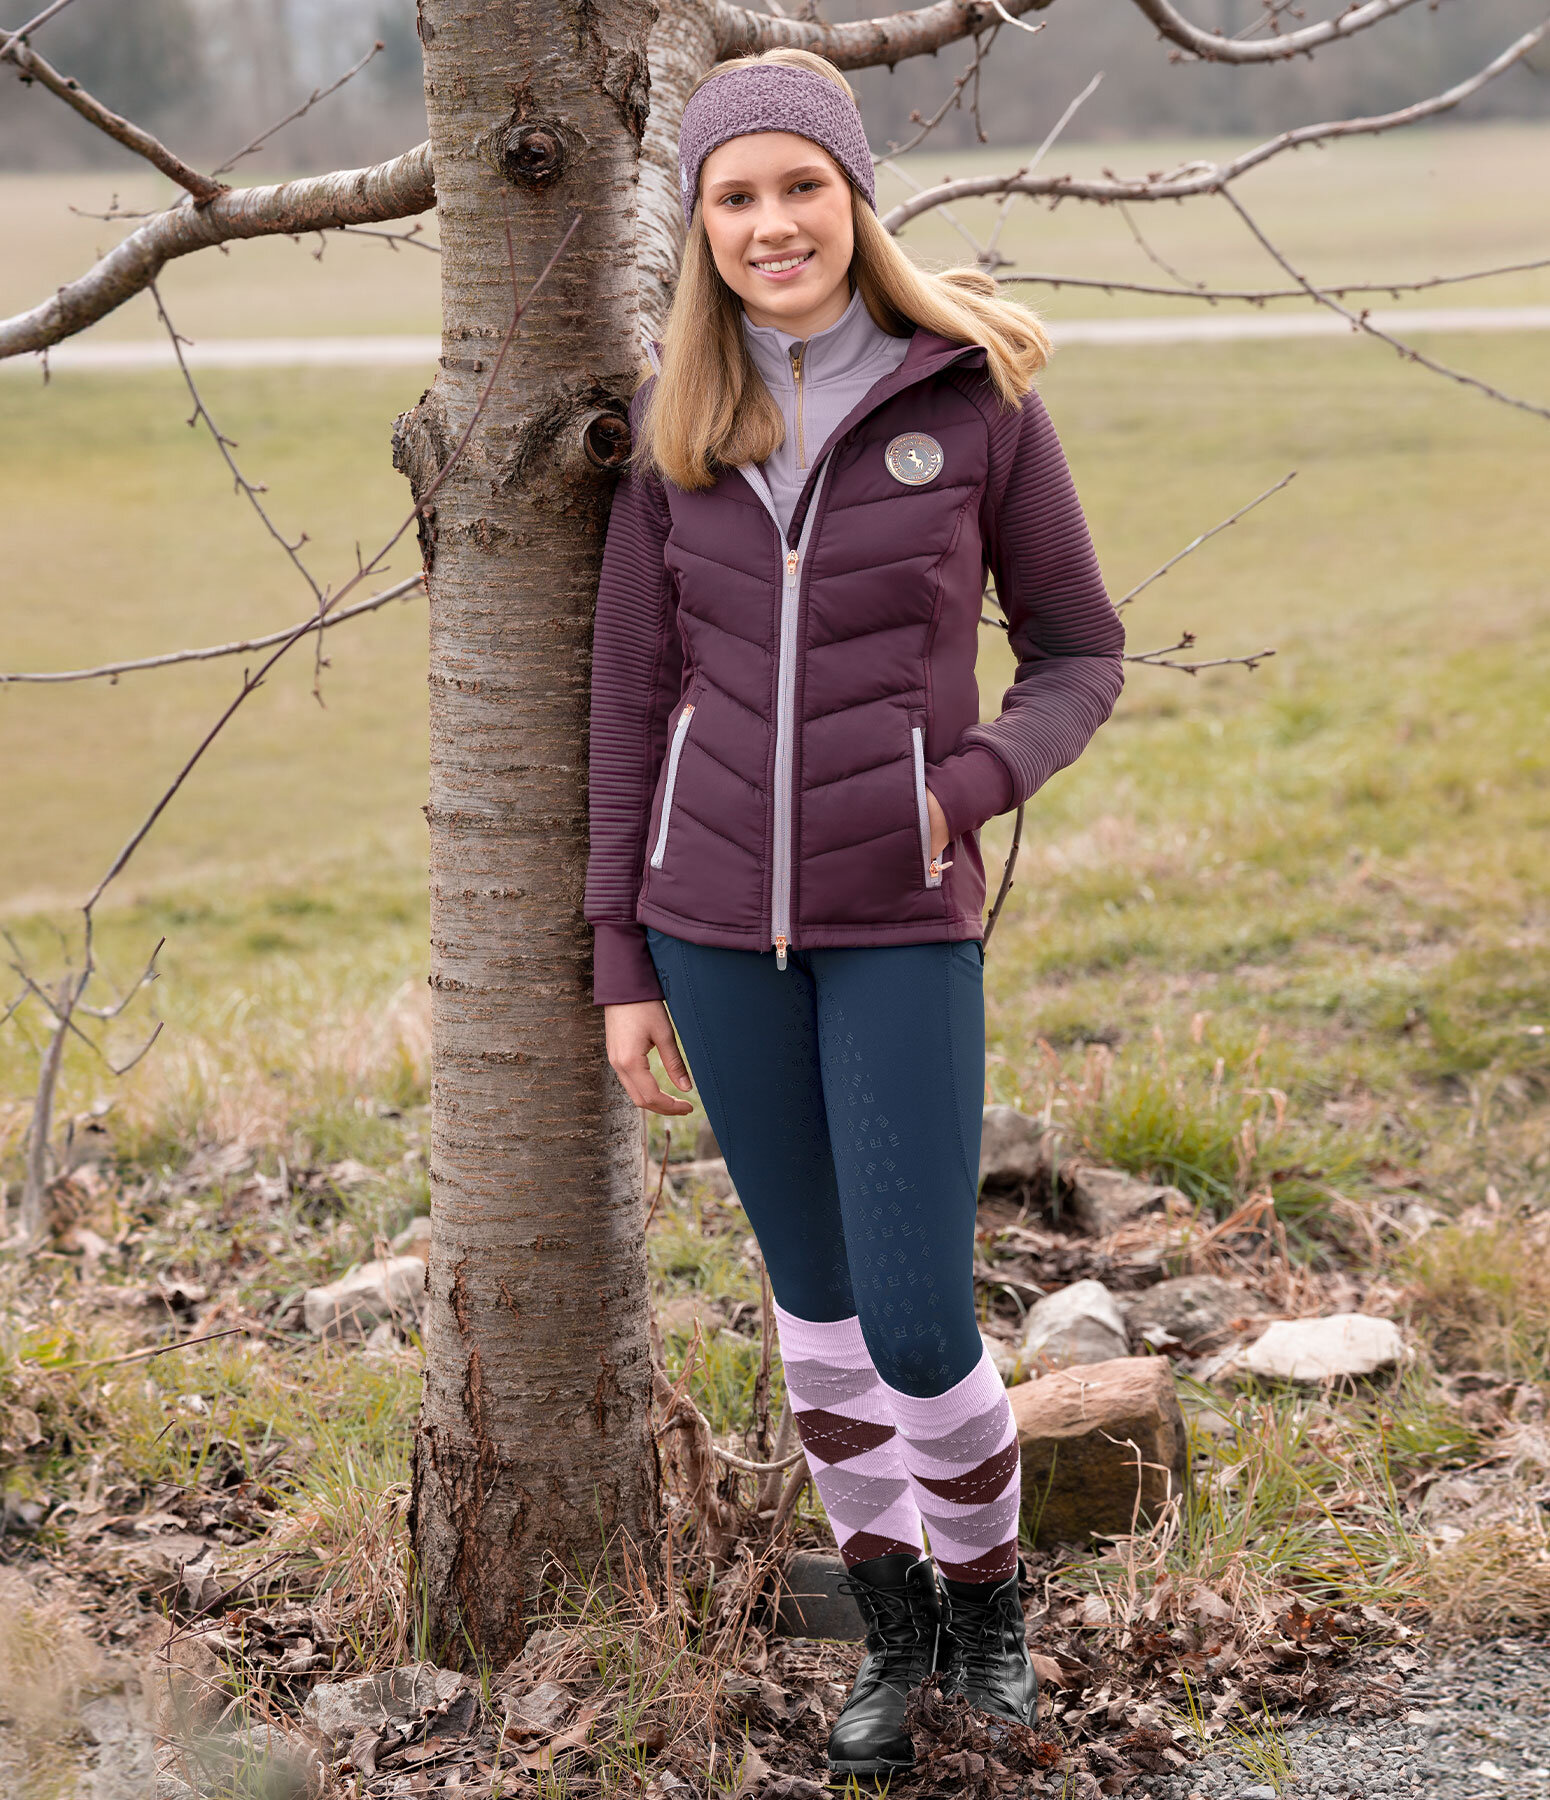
(606,439)
(533,155)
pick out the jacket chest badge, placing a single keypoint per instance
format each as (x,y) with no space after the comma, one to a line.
(914,459)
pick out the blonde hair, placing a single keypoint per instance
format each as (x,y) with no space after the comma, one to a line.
(710,409)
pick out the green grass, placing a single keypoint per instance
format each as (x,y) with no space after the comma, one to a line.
(1338,860)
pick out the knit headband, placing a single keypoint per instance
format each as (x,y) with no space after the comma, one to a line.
(772,97)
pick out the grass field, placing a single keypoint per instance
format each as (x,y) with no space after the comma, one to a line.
(1284,930)
(1345,849)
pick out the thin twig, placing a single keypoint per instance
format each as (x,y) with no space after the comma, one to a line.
(1362,322)
(251,682)
(306,106)
(113,1362)
(990,257)
(1261,296)
(111,671)
(32,25)
(122,131)
(953,100)
(1158,659)
(1204,537)
(1006,874)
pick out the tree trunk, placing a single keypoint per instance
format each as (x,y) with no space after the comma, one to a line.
(683,46)
(534,1437)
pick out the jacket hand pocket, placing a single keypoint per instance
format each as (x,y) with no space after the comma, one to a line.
(931,866)
(674,751)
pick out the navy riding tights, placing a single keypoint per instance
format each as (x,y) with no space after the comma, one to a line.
(846,1092)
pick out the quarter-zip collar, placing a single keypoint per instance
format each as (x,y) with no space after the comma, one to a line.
(842,347)
(927,355)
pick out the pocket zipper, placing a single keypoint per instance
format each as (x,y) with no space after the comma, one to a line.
(933,865)
(674,752)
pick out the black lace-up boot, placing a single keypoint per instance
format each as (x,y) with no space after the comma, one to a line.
(985,1652)
(900,1601)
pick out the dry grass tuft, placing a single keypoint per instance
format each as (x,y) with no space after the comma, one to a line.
(1481,1291)
(48,1668)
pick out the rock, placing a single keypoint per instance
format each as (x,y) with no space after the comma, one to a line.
(1323,1349)
(1083,1433)
(811,1604)
(353,1305)
(1007,1358)
(710,1173)
(414,1239)
(1077,1324)
(1104,1199)
(705,1146)
(119,1725)
(1011,1147)
(541,1711)
(339,1709)
(158,1565)
(1189,1308)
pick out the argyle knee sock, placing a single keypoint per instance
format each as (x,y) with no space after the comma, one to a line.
(843,1419)
(960,1452)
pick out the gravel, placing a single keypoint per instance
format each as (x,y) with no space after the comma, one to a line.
(1477,1726)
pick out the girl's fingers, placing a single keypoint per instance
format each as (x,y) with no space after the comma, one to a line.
(672,1058)
(641,1085)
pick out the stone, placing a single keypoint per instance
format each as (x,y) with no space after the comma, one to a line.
(1189,1308)
(1012,1147)
(540,1711)
(1324,1349)
(339,1709)
(709,1172)
(705,1146)
(361,1300)
(1076,1324)
(1104,1199)
(414,1239)
(1094,1439)
(811,1604)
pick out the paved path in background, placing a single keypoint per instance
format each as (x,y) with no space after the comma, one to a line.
(421,352)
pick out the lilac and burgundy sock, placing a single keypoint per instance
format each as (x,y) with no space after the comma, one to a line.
(960,1452)
(846,1426)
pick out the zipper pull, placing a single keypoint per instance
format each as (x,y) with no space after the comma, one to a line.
(780,953)
(791,562)
(936,867)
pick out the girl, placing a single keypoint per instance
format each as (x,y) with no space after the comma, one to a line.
(788,779)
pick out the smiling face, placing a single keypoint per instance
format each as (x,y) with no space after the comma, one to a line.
(777,213)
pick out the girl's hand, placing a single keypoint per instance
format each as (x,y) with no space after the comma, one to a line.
(938,820)
(632,1030)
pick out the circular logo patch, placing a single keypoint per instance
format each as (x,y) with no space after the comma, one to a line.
(914,459)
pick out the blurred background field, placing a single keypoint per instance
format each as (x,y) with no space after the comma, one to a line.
(1345,847)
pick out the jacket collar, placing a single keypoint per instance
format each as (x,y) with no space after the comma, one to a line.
(927,355)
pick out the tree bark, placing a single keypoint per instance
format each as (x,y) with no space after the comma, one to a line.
(534,1439)
(683,46)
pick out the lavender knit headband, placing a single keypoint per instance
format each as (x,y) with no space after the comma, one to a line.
(772,97)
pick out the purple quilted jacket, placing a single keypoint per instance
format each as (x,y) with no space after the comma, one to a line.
(769,712)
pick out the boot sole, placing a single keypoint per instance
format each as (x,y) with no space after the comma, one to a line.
(872,1767)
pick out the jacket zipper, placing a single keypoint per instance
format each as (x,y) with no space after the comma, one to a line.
(785,703)
(674,752)
(932,865)
(796,376)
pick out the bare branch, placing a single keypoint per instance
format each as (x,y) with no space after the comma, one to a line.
(1159,659)
(392,190)
(31,26)
(1195,543)
(121,130)
(1204,177)
(111,671)
(951,103)
(1261,296)
(306,106)
(226,445)
(990,256)
(251,682)
(866,43)
(1211,46)
(1362,321)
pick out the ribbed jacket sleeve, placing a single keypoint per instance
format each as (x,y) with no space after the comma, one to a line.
(637,670)
(1065,634)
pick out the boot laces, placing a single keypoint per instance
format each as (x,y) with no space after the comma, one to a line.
(980,1638)
(892,1628)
